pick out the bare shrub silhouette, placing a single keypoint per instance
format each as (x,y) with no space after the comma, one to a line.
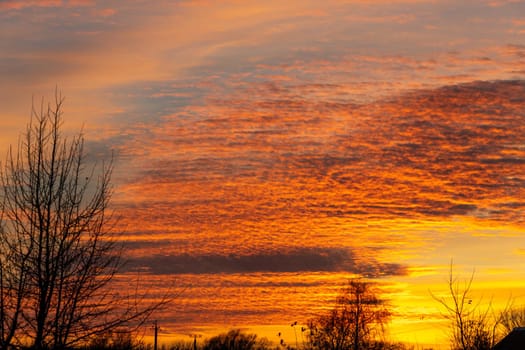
(512,317)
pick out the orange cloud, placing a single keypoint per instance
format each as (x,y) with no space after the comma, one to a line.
(20,4)
(364,139)
(500,3)
(270,170)
(17,4)
(107,12)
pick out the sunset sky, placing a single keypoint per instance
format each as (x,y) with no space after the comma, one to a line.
(267,151)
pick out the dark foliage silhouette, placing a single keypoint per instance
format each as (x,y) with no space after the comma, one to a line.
(236,340)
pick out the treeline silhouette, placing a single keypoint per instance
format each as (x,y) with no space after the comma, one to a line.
(358,321)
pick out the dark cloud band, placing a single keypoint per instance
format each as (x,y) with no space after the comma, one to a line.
(299,260)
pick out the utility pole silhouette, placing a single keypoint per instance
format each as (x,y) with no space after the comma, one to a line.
(156,328)
(195,336)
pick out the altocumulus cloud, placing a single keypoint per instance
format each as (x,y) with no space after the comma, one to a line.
(431,153)
(284,187)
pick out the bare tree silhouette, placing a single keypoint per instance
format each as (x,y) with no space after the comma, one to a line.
(58,253)
(473,327)
(356,322)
